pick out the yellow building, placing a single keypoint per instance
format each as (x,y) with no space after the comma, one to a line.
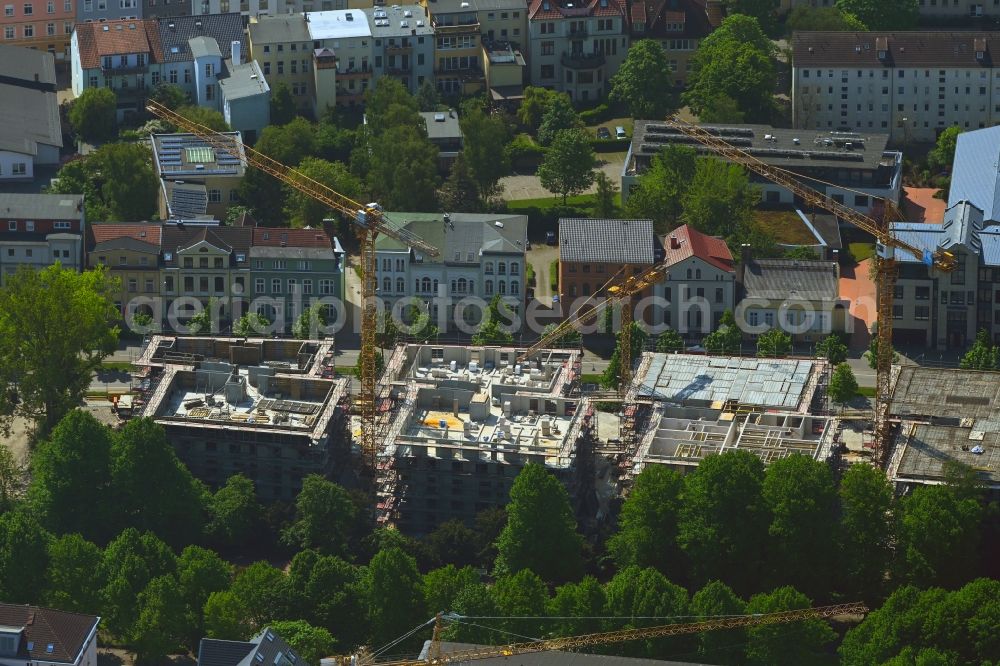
(131,253)
(282,47)
(197,181)
(504,73)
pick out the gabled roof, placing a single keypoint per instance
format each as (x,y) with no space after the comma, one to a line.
(267,237)
(780,279)
(558,9)
(931,49)
(146,233)
(49,635)
(692,243)
(606,241)
(126,243)
(975,174)
(265,649)
(237,240)
(657,15)
(119,37)
(224,29)
(216,652)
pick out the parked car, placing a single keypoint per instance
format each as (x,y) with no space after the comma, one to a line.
(550,238)
(603,133)
(620,133)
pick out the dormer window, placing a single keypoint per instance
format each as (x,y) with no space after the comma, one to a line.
(9,643)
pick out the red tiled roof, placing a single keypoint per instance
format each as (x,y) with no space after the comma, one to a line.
(147,233)
(117,38)
(556,10)
(693,243)
(674,17)
(66,633)
(267,237)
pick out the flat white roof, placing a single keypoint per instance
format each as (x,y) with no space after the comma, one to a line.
(339,24)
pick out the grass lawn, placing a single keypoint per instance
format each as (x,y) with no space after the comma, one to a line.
(861,251)
(785,226)
(116,366)
(867,391)
(590,378)
(578,201)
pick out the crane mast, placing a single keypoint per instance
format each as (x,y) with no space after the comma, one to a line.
(887,245)
(370,222)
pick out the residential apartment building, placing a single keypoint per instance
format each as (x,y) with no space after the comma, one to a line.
(481,255)
(43,25)
(700,284)
(457,47)
(197,181)
(131,253)
(836,163)
(296,267)
(403,41)
(503,21)
(193,48)
(244,7)
(909,84)
(38,230)
(347,34)
(31,131)
(283,48)
(445,132)
(46,637)
(100,11)
(123,55)
(678,25)
(594,252)
(800,297)
(205,262)
(945,310)
(577,47)
(166,8)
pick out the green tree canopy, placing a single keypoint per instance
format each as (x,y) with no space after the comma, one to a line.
(727,339)
(24,556)
(427,96)
(541,531)
(71,583)
(521,595)
(128,564)
(938,537)
(721,109)
(669,341)
(762,10)
(568,167)
(643,82)
(234,512)
(557,117)
(661,189)
(251,323)
(982,355)
(394,594)
(311,643)
(309,323)
(305,211)
(403,168)
(324,516)
(459,191)
(865,531)
(607,191)
(262,593)
(71,476)
(829,19)
(442,586)
(161,624)
(800,495)
(940,158)
(536,102)
(646,593)
(493,330)
(773,343)
(724,520)
(788,644)
(485,136)
(843,385)
(205,116)
(282,105)
(724,646)
(329,594)
(585,600)
(720,197)
(169,95)
(288,144)
(647,525)
(226,617)
(883,14)
(117,182)
(93,115)
(735,60)
(56,326)
(832,348)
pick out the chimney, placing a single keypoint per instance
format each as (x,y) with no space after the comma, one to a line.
(745,257)
(234,49)
(675,244)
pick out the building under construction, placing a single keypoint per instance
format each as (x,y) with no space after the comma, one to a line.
(268,409)
(944,416)
(460,423)
(683,407)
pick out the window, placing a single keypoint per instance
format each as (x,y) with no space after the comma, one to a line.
(29,31)
(515,269)
(325,287)
(217,262)
(29,225)
(719,295)
(921,313)
(189,284)
(214,196)
(8,33)
(897,311)
(548,48)
(548,72)
(307,287)
(50,29)
(922,293)
(50,7)
(258,285)
(8,10)
(28,9)
(275,285)
(208,69)
(861,200)
(133,285)
(12,225)
(168,283)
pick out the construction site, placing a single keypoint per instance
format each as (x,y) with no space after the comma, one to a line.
(271,410)
(464,421)
(944,417)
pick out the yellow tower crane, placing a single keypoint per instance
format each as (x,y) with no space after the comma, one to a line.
(604,638)
(370,222)
(887,245)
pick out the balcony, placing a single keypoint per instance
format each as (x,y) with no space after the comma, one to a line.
(355,73)
(582,60)
(398,70)
(578,33)
(467,74)
(395,49)
(459,29)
